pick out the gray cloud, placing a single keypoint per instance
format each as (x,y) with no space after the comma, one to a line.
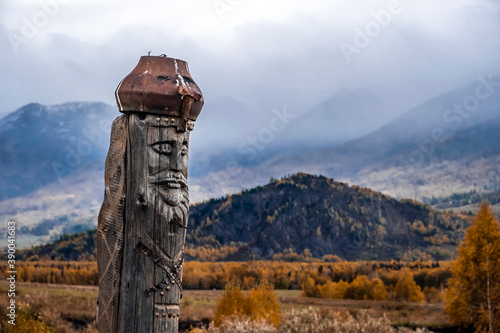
(294,60)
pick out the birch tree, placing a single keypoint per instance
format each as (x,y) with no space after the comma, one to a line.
(473,296)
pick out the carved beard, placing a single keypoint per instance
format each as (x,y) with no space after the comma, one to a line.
(175,205)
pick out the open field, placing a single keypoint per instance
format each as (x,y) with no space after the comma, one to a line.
(72,308)
(474,209)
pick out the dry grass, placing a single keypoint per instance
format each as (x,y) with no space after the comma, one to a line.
(198,305)
(238,325)
(66,309)
(397,313)
(71,309)
(311,320)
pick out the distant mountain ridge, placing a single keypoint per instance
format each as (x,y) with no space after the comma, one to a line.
(52,157)
(41,144)
(435,149)
(344,116)
(436,120)
(305,212)
(432,131)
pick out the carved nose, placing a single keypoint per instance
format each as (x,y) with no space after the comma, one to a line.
(176,161)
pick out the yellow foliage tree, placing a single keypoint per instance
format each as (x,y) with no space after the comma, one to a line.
(359,288)
(309,287)
(333,290)
(363,288)
(406,288)
(232,303)
(473,296)
(378,292)
(260,304)
(263,304)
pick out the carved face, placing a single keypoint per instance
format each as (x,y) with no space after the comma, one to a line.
(168,161)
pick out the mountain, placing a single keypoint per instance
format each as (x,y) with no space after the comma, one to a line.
(52,160)
(426,129)
(69,247)
(464,199)
(226,129)
(327,217)
(218,127)
(464,160)
(40,145)
(436,149)
(222,113)
(307,212)
(52,157)
(344,116)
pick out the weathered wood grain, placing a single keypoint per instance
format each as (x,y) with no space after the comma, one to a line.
(110,228)
(154,212)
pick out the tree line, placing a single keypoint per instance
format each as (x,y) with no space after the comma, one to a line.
(472,282)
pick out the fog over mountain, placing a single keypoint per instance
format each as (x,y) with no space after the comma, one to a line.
(420,132)
(345,115)
(49,143)
(352,90)
(448,144)
(264,55)
(435,149)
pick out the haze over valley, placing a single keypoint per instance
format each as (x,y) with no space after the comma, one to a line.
(432,150)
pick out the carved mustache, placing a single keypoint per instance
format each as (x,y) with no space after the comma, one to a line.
(172,179)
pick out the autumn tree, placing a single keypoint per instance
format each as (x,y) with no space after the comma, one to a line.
(406,289)
(333,290)
(263,304)
(363,288)
(359,288)
(310,288)
(259,304)
(232,303)
(378,292)
(473,296)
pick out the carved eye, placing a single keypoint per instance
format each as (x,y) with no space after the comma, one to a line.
(184,150)
(163,148)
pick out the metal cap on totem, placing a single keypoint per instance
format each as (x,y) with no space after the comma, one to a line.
(161,85)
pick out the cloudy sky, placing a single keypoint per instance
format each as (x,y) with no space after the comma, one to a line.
(263,53)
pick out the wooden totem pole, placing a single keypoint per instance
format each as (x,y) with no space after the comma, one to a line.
(143,219)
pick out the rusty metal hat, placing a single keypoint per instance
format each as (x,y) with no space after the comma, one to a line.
(160,85)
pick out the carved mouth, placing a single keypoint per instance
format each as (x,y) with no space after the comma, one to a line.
(169,180)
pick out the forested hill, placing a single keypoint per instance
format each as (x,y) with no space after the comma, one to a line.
(79,246)
(327,217)
(300,214)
